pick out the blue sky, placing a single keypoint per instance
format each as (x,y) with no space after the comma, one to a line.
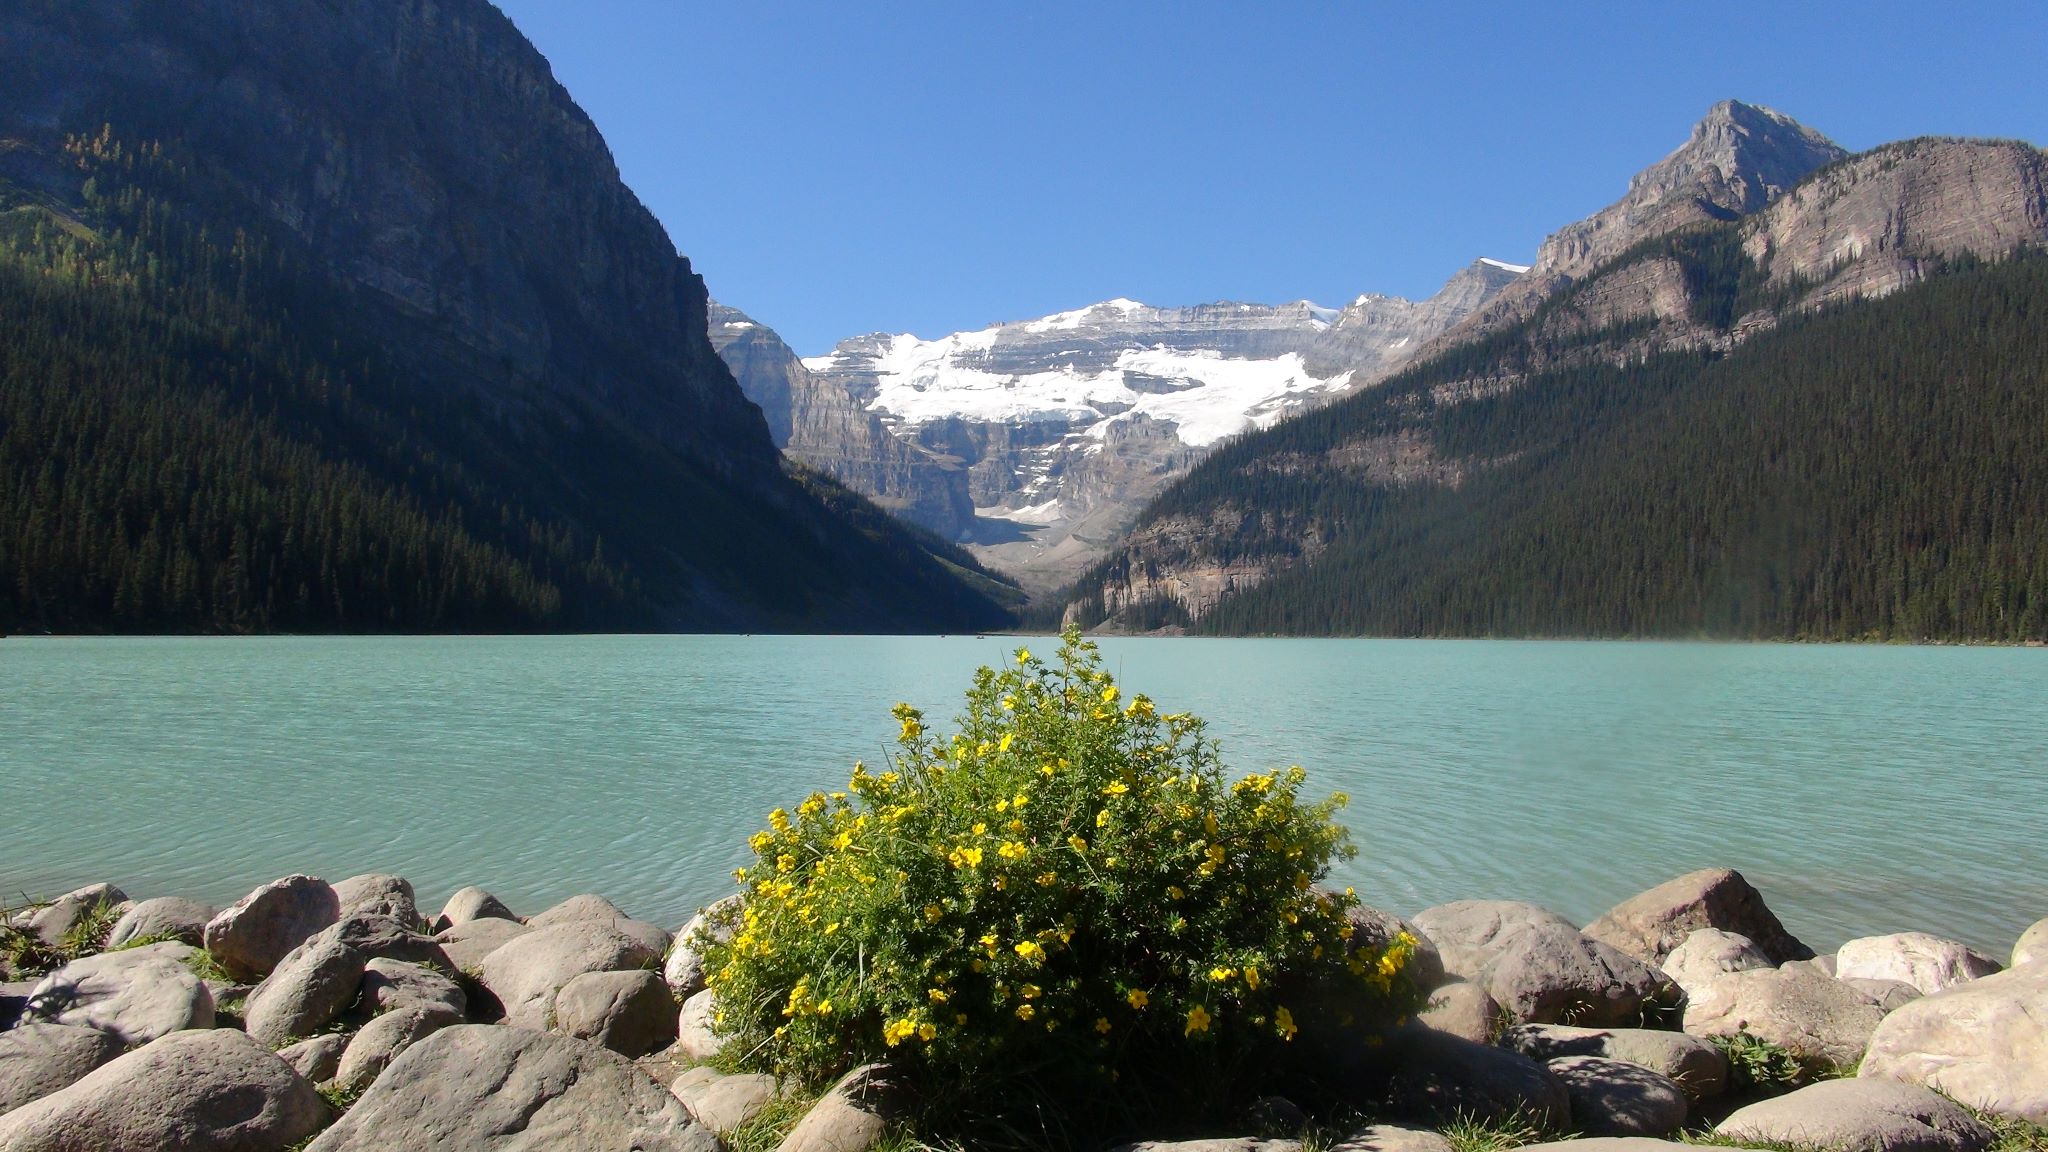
(836,169)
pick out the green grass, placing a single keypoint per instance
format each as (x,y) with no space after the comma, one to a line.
(1470,1133)
(2013,1133)
(765,1131)
(1759,1067)
(28,954)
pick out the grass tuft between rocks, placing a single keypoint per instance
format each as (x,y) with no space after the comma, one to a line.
(1470,1133)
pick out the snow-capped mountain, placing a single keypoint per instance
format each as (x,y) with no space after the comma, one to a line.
(1033,442)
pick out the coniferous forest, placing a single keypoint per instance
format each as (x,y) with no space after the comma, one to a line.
(199,432)
(1874,470)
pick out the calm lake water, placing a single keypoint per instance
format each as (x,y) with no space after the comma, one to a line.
(1865,789)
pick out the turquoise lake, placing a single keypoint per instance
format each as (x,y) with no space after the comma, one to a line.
(1864,789)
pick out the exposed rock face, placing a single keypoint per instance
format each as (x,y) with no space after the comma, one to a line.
(853,1117)
(250,938)
(309,989)
(1711,952)
(1694,1064)
(1651,924)
(1815,1016)
(168,917)
(1438,1076)
(38,1059)
(1928,963)
(1541,969)
(1861,1116)
(1617,1098)
(1032,442)
(527,973)
(1984,1043)
(138,995)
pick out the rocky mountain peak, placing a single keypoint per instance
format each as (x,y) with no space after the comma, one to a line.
(1739,158)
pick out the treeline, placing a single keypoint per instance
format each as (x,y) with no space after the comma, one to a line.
(1877,470)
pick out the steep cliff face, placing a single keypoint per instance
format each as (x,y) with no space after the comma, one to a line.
(1034,442)
(459,220)
(1859,228)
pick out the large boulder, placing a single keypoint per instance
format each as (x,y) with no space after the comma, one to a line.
(309,989)
(1711,952)
(1984,1043)
(684,967)
(724,1103)
(696,1039)
(38,1059)
(138,994)
(1693,1063)
(259,930)
(853,1117)
(317,1058)
(1650,924)
(471,903)
(1541,969)
(163,918)
(1393,1138)
(1928,963)
(1439,1077)
(379,893)
(467,943)
(381,1041)
(55,920)
(1464,1010)
(197,1091)
(1617,1098)
(1891,995)
(588,906)
(527,973)
(389,985)
(631,1013)
(379,936)
(1860,1116)
(2032,946)
(1817,1018)
(488,1088)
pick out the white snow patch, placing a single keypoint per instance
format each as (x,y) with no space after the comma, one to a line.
(1046,513)
(1517,269)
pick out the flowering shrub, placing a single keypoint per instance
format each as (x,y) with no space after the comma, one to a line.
(1067,888)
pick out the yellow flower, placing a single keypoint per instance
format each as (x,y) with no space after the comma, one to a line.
(938,995)
(989,942)
(911,729)
(1251,978)
(1026,1011)
(1016,826)
(760,840)
(1011,850)
(1109,694)
(1008,739)
(1116,788)
(1102,1024)
(1023,655)
(1102,818)
(1002,805)
(1198,1020)
(824,1007)
(811,806)
(1047,879)
(1030,991)
(972,857)
(1077,844)
(832,927)
(1020,800)
(932,912)
(779,820)
(1283,1021)
(980,829)
(927,1033)
(785,863)
(1220,973)
(1138,998)
(1031,951)
(897,1031)
(1174,891)
(1209,823)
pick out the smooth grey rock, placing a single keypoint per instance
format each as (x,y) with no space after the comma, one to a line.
(163,917)
(138,994)
(588,906)
(651,936)
(525,974)
(196,1091)
(54,920)
(695,1077)
(1693,1063)
(1650,924)
(631,1013)
(1891,995)
(1984,1043)
(466,944)
(392,984)
(1710,952)
(853,1117)
(723,1103)
(378,893)
(1861,1116)
(1393,1138)
(1463,1010)
(317,1058)
(2032,946)
(1815,1017)
(1617,1098)
(471,903)
(379,936)
(249,938)
(38,1059)
(309,989)
(1927,962)
(1541,969)
(381,1041)
(683,968)
(695,1037)
(1439,1076)
(490,1088)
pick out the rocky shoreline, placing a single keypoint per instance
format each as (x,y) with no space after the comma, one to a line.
(338,1017)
